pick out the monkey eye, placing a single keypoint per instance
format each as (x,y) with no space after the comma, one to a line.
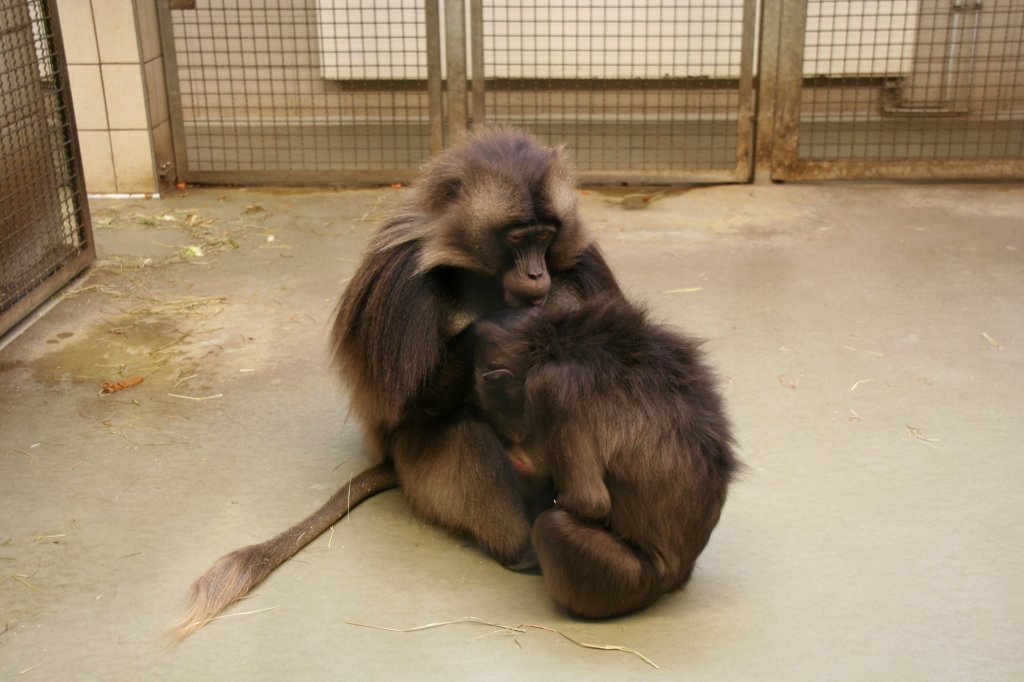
(515,238)
(544,237)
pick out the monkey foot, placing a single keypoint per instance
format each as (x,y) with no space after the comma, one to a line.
(526,562)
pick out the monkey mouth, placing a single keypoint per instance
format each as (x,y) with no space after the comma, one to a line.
(520,301)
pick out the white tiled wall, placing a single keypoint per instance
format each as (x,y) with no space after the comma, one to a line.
(115,69)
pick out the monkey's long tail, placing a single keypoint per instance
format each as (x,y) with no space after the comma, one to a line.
(234,574)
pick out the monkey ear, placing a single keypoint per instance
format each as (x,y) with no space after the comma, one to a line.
(496,375)
(447,192)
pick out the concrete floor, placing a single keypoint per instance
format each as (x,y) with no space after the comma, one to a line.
(871,343)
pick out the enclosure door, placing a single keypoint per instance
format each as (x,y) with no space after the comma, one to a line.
(45,237)
(314,91)
(899,89)
(643,92)
(298,92)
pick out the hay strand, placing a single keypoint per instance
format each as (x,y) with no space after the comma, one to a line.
(510,629)
(431,626)
(191,397)
(600,647)
(915,432)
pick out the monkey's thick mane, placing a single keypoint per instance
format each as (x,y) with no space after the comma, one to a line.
(496,177)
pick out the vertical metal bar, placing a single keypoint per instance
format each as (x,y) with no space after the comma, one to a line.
(72,151)
(455,49)
(792,28)
(476,44)
(435,96)
(969,89)
(174,104)
(767,81)
(950,76)
(745,112)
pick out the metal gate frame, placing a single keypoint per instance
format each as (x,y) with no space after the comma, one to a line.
(768,110)
(58,274)
(459,89)
(435,105)
(456,104)
(784,26)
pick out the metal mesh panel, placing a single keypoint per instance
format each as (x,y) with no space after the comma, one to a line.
(655,88)
(44,237)
(272,90)
(926,80)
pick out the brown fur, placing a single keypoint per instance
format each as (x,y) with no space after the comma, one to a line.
(625,416)
(440,262)
(437,265)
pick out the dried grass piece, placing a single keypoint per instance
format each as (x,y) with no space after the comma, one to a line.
(115,386)
(990,341)
(601,647)
(430,626)
(199,624)
(26,583)
(915,432)
(874,353)
(518,630)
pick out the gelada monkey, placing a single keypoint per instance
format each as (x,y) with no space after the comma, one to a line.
(625,416)
(492,224)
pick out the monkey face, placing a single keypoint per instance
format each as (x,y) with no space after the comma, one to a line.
(500,395)
(504,208)
(525,281)
(498,389)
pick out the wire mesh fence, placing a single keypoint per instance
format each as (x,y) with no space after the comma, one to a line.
(299,91)
(44,231)
(279,91)
(891,84)
(659,88)
(272,90)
